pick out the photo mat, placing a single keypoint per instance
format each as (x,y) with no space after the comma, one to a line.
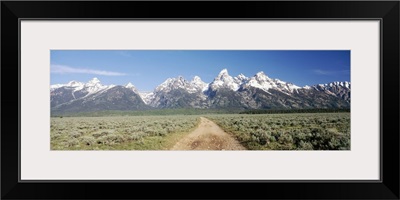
(227,165)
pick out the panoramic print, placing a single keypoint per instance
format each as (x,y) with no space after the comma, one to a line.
(200,100)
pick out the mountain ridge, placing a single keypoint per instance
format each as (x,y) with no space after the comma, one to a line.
(224,92)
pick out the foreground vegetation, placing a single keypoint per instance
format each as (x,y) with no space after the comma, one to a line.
(304,131)
(300,131)
(119,133)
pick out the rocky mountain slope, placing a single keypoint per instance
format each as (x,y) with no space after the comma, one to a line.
(224,92)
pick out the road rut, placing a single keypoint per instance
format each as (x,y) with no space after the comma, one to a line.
(208,136)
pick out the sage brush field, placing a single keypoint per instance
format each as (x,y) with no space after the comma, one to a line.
(118,133)
(301,131)
(305,131)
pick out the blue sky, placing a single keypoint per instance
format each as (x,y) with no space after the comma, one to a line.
(148,68)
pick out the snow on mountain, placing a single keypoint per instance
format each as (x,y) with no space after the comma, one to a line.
(224,80)
(132,87)
(193,86)
(262,81)
(179,92)
(173,83)
(240,79)
(56,86)
(75,84)
(337,84)
(129,85)
(94,86)
(339,89)
(333,85)
(199,84)
(147,97)
(72,84)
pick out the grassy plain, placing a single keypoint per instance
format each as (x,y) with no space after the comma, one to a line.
(119,133)
(295,131)
(301,131)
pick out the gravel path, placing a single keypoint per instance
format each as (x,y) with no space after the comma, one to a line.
(208,136)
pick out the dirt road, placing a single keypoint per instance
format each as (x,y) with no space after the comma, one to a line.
(208,136)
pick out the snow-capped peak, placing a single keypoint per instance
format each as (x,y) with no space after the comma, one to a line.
(91,87)
(172,83)
(223,72)
(56,86)
(241,77)
(132,87)
(342,84)
(94,81)
(94,86)
(224,76)
(181,79)
(262,81)
(74,84)
(261,76)
(199,84)
(129,85)
(224,80)
(181,83)
(260,73)
(345,84)
(196,79)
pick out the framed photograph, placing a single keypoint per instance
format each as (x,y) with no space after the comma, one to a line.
(288,96)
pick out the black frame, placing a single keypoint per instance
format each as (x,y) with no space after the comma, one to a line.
(386,11)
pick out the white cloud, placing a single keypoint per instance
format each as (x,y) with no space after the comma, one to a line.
(62,69)
(327,72)
(322,72)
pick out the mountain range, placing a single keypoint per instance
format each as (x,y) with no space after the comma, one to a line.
(224,92)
